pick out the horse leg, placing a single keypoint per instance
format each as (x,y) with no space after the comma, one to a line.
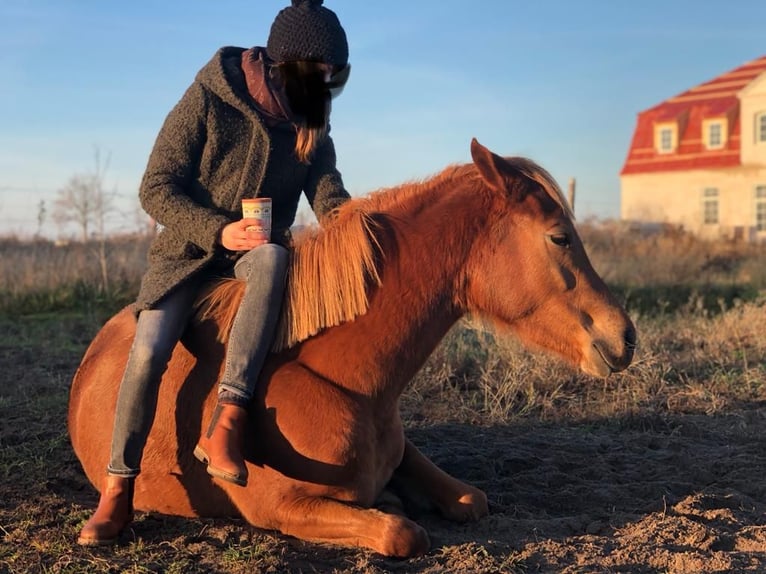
(390,503)
(420,477)
(331,521)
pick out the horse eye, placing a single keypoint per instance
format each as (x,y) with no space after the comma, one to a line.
(560,239)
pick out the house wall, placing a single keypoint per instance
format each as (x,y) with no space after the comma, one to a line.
(677,198)
(752,103)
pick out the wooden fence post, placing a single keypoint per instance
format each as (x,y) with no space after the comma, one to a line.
(571,194)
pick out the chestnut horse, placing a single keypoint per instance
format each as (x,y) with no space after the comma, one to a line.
(398,268)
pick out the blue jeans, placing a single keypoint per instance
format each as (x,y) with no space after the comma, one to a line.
(264,269)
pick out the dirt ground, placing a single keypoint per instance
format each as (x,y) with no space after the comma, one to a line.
(652,494)
(681,495)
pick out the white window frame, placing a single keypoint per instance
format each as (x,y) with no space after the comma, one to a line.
(759,210)
(665,138)
(710,206)
(714,134)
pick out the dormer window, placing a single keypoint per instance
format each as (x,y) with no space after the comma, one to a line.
(714,134)
(665,138)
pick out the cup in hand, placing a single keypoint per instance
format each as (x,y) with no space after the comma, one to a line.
(258,208)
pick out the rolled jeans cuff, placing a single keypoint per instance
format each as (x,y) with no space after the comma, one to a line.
(122,473)
(232,396)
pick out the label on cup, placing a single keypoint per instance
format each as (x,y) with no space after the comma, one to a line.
(258,208)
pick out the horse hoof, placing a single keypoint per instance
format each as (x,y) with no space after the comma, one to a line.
(404,538)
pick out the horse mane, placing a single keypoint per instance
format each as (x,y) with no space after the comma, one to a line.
(332,267)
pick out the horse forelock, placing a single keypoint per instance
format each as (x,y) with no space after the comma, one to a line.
(542,177)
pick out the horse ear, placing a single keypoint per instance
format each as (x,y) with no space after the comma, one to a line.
(487,163)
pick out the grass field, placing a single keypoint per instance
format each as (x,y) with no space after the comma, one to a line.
(658,469)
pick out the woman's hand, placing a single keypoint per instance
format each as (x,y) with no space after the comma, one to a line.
(236,237)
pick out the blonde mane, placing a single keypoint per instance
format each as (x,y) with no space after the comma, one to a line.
(331,270)
(333,267)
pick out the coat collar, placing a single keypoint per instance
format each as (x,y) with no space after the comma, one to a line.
(223,76)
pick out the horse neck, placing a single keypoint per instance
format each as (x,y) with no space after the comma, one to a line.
(421,296)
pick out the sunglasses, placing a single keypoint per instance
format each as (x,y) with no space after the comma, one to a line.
(338,80)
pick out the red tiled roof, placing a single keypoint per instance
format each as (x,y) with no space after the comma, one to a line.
(714,99)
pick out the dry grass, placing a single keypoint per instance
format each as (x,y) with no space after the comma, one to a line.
(653,273)
(688,362)
(44,276)
(633,258)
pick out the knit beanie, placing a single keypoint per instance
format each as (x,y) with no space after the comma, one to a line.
(310,32)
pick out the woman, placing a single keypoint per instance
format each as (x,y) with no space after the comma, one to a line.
(254,123)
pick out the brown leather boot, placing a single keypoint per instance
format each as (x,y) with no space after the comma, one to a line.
(114,513)
(221,447)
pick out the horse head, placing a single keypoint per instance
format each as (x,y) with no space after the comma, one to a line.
(530,273)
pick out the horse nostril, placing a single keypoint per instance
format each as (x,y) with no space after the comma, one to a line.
(630,337)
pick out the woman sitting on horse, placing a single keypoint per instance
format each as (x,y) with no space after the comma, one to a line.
(254,123)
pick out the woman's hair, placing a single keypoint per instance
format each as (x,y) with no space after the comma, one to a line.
(307,141)
(308,95)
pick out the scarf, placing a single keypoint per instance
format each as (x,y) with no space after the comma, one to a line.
(269,100)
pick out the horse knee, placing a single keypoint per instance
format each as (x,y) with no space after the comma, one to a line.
(402,538)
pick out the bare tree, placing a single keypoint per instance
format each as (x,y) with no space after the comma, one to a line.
(42,212)
(84,202)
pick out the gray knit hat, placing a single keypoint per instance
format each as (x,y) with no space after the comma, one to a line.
(308,31)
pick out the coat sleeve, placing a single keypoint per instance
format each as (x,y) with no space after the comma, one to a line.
(324,187)
(170,173)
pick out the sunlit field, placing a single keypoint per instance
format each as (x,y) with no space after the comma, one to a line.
(657,469)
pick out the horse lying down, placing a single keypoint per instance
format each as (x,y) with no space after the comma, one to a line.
(493,238)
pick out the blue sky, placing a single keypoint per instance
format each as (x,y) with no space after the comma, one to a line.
(559,81)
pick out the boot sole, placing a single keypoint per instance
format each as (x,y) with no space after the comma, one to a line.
(238,479)
(95,542)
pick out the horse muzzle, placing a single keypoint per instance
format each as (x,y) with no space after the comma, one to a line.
(605,357)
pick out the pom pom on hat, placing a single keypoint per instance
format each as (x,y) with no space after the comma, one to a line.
(307,31)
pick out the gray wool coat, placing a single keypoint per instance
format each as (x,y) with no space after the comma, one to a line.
(213,150)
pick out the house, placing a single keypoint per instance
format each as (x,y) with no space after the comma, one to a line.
(698,160)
